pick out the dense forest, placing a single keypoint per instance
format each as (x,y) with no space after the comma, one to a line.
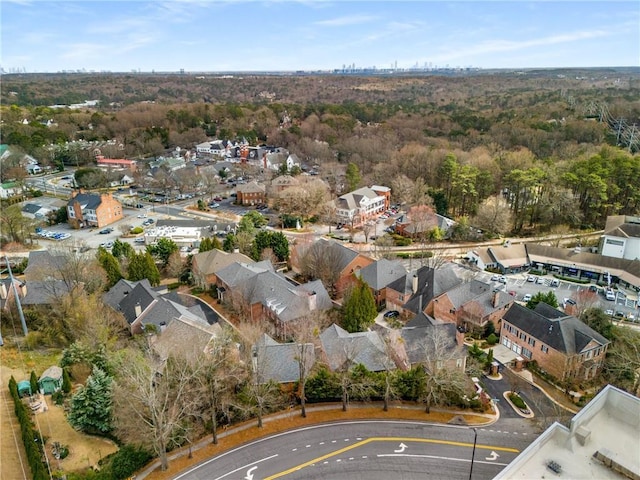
(557,147)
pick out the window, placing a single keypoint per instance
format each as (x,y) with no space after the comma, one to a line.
(544,348)
(527,353)
(532,342)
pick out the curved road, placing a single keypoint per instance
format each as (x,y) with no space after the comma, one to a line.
(372,450)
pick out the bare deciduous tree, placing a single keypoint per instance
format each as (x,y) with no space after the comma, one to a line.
(153,399)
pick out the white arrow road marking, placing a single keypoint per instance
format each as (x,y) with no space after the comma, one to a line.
(493,456)
(402,448)
(245,466)
(249,474)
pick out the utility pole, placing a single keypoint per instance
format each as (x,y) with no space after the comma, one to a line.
(15,293)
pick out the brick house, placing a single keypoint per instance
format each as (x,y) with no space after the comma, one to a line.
(560,344)
(93,210)
(379,275)
(119,163)
(471,305)
(341,259)
(251,194)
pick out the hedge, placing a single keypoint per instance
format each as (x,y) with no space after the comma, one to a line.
(517,401)
(30,437)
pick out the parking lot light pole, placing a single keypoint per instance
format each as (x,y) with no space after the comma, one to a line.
(473,452)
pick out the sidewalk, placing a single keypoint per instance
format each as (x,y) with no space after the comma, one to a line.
(291,419)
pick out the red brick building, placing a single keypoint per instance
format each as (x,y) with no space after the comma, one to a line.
(93,210)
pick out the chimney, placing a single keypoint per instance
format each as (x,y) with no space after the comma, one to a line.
(138,310)
(496,299)
(313,301)
(3,291)
(414,283)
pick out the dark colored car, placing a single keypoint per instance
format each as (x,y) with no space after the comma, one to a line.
(105,231)
(392,314)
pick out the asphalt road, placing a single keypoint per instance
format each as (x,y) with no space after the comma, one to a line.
(375,450)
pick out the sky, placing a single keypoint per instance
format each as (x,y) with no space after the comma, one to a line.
(280,35)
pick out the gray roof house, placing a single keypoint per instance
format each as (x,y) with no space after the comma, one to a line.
(423,285)
(142,305)
(428,340)
(278,362)
(379,275)
(43,264)
(343,350)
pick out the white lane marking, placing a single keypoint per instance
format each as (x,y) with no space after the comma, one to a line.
(465,460)
(240,468)
(294,449)
(321,443)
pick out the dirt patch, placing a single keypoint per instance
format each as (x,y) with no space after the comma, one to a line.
(84,451)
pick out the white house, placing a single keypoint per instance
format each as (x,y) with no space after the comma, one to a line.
(358,206)
(621,237)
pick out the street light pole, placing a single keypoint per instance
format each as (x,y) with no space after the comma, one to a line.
(473,453)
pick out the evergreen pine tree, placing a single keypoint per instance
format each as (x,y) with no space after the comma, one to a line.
(33,380)
(359,308)
(91,405)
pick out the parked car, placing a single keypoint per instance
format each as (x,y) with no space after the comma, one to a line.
(139,240)
(555,282)
(527,297)
(608,312)
(214,205)
(217,199)
(105,231)
(593,288)
(631,317)
(502,279)
(540,280)
(531,278)
(495,278)
(392,314)
(106,244)
(142,215)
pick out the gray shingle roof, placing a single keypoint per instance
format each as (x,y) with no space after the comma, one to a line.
(479,293)
(186,336)
(43,264)
(142,295)
(44,292)
(431,284)
(278,361)
(90,201)
(382,273)
(237,273)
(421,335)
(342,254)
(345,350)
(214,260)
(561,332)
(116,294)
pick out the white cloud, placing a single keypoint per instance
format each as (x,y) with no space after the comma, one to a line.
(498,46)
(347,20)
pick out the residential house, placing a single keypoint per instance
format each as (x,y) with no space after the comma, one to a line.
(145,308)
(480,258)
(283,182)
(601,442)
(379,274)
(621,238)
(342,350)
(269,295)
(280,362)
(415,291)
(471,305)
(205,265)
(93,210)
(342,260)
(51,380)
(10,189)
(560,344)
(433,343)
(251,193)
(187,336)
(357,207)
(418,229)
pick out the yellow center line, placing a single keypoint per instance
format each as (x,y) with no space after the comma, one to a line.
(387,439)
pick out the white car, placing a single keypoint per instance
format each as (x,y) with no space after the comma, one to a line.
(107,245)
(526,298)
(608,312)
(142,215)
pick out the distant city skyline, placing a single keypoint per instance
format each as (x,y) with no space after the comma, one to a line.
(311,35)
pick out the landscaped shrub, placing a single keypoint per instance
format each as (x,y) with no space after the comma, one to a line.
(572,279)
(517,401)
(127,460)
(136,230)
(492,339)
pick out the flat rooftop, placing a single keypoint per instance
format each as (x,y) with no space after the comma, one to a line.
(609,424)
